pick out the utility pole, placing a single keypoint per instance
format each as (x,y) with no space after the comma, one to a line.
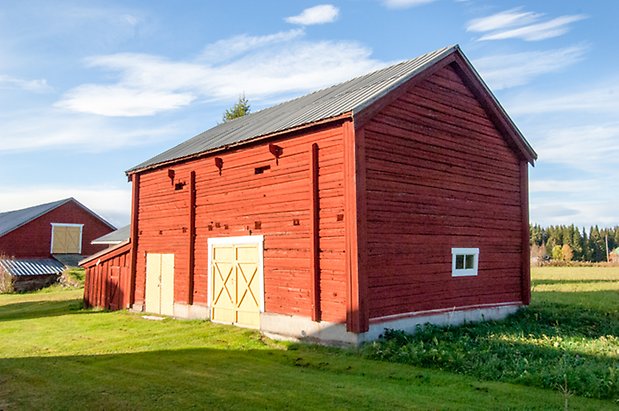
(607,254)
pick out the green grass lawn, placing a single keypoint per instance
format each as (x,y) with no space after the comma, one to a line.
(54,355)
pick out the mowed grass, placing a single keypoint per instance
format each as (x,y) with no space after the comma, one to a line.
(566,340)
(54,355)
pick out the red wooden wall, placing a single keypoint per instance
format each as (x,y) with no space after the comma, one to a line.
(239,202)
(107,282)
(439,175)
(34,238)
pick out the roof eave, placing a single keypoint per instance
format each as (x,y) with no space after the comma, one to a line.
(303,127)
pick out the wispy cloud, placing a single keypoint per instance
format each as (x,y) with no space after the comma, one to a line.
(597,99)
(276,66)
(55,129)
(404,4)
(321,14)
(508,70)
(36,85)
(502,20)
(565,186)
(111,203)
(122,101)
(225,49)
(517,24)
(582,213)
(591,148)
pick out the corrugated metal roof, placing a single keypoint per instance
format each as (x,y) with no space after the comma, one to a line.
(10,220)
(115,237)
(348,97)
(31,266)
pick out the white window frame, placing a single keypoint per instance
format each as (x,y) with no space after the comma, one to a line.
(81,226)
(240,240)
(464,272)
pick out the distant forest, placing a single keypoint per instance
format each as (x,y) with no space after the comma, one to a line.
(570,243)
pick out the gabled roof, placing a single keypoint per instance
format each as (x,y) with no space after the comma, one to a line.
(31,266)
(115,237)
(11,220)
(347,99)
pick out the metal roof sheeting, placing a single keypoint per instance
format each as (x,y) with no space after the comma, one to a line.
(31,266)
(10,220)
(348,97)
(115,237)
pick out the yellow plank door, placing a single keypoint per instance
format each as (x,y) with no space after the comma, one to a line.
(236,282)
(159,296)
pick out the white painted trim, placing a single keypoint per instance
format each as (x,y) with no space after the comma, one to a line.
(68,225)
(81,226)
(464,272)
(239,240)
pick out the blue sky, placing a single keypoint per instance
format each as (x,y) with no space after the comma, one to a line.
(90,89)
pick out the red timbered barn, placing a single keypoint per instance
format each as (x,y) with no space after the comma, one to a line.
(393,199)
(37,242)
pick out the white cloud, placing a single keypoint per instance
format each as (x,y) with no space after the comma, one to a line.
(592,148)
(597,99)
(275,67)
(323,13)
(582,213)
(517,24)
(225,49)
(564,186)
(122,101)
(502,20)
(403,4)
(111,203)
(509,70)
(534,32)
(54,129)
(37,85)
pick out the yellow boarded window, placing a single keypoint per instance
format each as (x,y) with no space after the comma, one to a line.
(66,238)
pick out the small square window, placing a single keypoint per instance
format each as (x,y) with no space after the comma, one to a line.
(464,262)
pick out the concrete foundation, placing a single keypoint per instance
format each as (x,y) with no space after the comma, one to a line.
(296,328)
(191,312)
(285,327)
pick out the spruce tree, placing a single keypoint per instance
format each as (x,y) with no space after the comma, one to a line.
(239,109)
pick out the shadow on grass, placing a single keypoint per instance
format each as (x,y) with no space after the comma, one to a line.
(253,379)
(38,309)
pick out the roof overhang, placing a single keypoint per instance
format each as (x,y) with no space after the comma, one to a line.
(287,132)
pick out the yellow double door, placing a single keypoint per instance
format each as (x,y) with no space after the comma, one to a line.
(236,283)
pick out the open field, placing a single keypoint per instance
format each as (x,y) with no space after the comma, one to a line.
(54,355)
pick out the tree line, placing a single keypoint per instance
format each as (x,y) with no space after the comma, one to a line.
(571,243)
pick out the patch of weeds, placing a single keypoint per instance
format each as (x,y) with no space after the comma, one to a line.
(570,350)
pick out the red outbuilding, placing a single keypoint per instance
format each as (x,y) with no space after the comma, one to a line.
(391,200)
(37,242)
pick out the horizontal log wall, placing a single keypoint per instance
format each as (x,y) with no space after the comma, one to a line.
(440,175)
(238,202)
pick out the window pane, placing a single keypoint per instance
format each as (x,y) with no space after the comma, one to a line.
(470,261)
(459,262)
